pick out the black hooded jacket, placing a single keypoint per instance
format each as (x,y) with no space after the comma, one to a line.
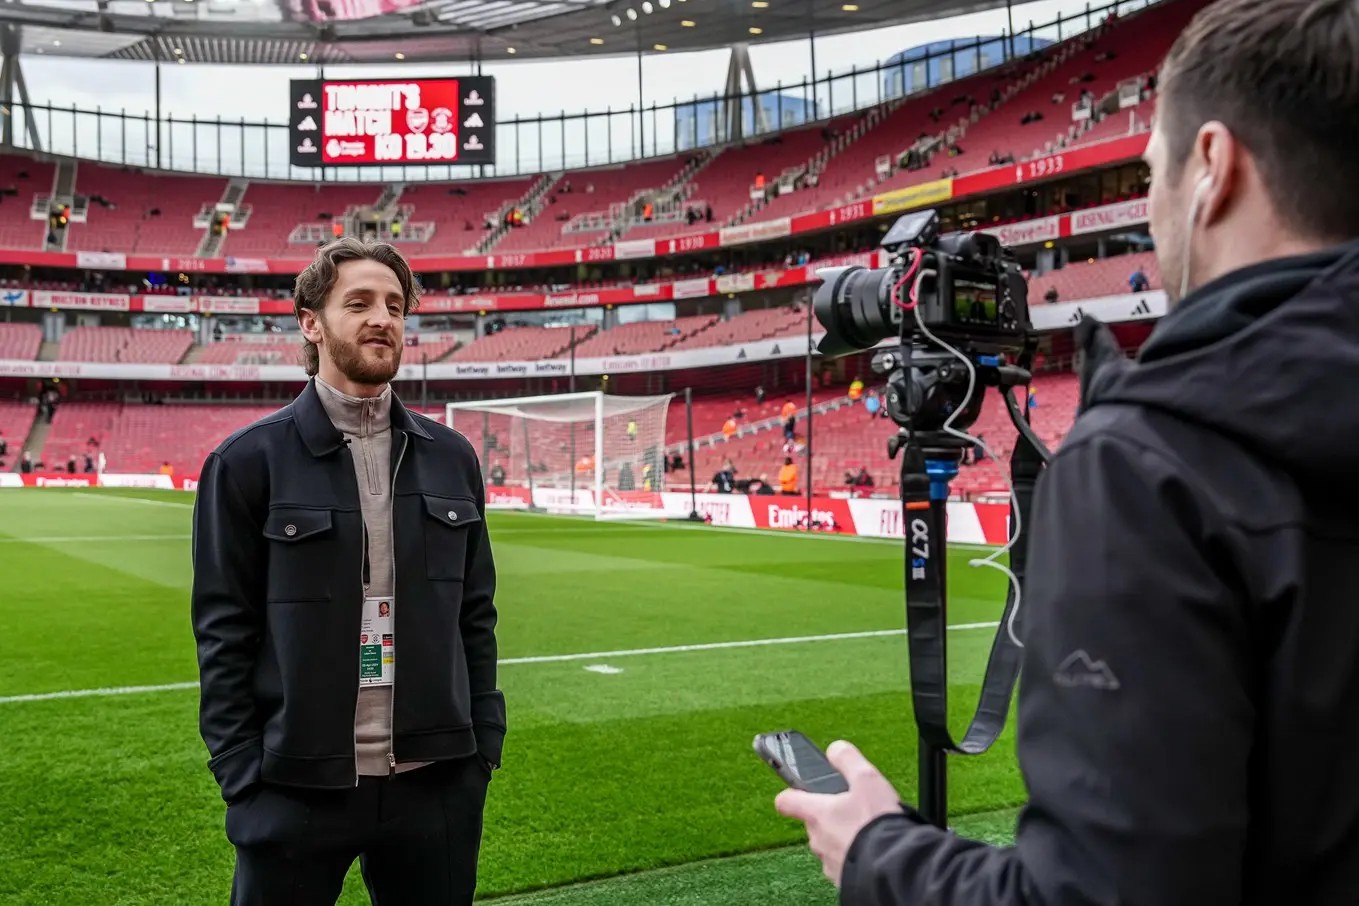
(1189,709)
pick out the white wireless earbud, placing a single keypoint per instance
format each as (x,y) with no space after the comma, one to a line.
(1200,193)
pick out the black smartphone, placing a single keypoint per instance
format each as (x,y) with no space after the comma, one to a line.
(799,762)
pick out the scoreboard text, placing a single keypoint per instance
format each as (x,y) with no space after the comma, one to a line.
(392,121)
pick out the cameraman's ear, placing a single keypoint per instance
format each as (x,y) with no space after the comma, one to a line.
(1100,353)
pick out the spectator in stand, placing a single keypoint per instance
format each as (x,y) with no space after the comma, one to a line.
(872,404)
(4,444)
(89,464)
(788,476)
(724,482)
(729,426)
(856,389)
(497,475)
(862,480)
(1051,295)
(71,465)
(759,399)
(26,463)
(1138,282)
(761,487)
(166,469)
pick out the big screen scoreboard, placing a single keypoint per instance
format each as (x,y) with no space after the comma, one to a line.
(392,121)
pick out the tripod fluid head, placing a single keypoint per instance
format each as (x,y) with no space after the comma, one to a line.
(926,386)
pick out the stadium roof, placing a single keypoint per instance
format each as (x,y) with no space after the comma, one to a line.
(257,32)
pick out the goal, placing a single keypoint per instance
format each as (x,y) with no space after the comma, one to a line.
(589,453)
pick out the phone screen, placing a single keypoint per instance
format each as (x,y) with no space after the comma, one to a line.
(799,762)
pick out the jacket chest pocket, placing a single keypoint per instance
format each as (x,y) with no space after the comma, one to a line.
(449,524)
(302,554)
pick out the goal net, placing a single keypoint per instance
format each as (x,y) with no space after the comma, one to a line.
(589,453)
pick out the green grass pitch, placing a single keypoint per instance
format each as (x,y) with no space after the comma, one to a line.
(641,774)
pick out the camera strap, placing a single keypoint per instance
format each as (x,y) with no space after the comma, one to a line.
(925,517)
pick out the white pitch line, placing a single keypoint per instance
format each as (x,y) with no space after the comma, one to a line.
(86,693)
(717,646)
(73,539)
(543,659)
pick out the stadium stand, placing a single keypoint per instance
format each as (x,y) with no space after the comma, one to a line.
(1126,50)
(644,336)
(847,437)
(16,420)
(459,211)
(725,184)
(583,202)
(26,177)
(246,353)
(1096,277)
(124,344)
(140,212)
(276,209)
(20,342)
(749,326)
(139,438)
(521,344)
(1127,121)
(418,351)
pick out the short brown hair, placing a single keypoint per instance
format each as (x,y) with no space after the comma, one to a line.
(314,284)
(1283,76)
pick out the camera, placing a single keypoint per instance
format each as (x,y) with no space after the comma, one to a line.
(958,306)
(971,293)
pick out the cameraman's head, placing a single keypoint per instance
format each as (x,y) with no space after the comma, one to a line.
(1255,151)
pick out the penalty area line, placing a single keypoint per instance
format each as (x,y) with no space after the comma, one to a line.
(542,659)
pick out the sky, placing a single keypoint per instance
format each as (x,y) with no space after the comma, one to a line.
(526,89)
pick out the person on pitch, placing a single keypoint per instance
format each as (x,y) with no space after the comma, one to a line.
(343,606)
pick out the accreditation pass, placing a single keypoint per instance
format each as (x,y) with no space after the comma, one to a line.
(377,650)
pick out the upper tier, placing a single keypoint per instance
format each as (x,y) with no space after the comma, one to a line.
(970,121)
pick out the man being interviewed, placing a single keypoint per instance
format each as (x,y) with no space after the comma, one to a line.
(328,537)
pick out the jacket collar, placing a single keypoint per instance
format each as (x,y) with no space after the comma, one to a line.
(322,438)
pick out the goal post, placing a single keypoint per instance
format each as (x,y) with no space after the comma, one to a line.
(591,453)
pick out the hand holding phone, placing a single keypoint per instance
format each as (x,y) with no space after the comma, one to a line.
(799,762)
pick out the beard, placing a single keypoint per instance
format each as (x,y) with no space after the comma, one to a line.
(370,366)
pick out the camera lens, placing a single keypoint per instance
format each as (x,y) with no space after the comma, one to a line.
(853,304)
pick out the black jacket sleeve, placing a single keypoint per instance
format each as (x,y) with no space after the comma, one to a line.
(478,621)
(229,563)
(1135,720)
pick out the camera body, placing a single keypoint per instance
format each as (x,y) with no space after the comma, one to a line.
(972,294)
(967,291)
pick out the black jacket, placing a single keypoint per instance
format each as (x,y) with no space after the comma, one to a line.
(1189,709)
(278,545)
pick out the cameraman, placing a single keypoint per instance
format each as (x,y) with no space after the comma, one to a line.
(1190,706)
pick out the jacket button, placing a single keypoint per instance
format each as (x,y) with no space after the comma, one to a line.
(452,516)
(290,530)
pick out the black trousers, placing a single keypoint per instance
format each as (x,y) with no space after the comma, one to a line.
(416,836)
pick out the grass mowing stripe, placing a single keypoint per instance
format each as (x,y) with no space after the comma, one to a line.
(85,495)
(543,659)
(85,539)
